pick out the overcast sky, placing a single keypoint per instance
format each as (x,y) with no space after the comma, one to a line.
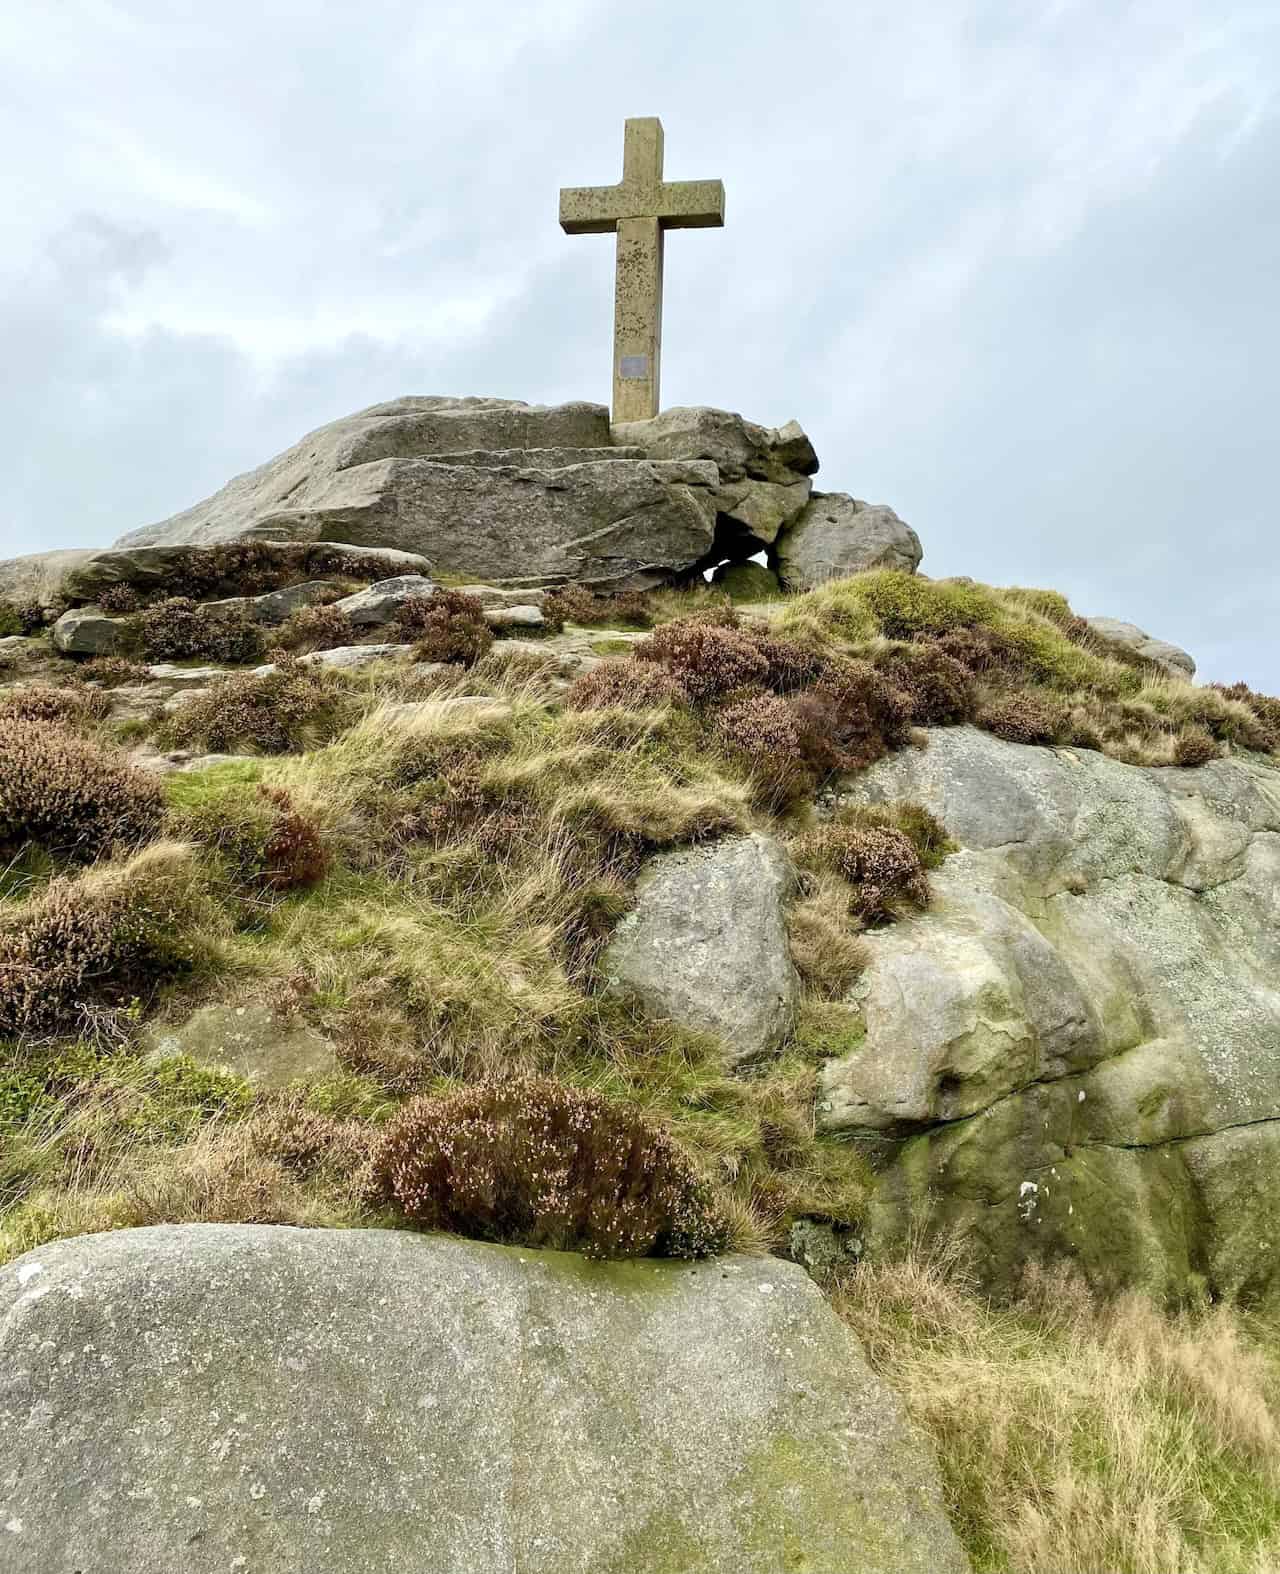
(1014,266)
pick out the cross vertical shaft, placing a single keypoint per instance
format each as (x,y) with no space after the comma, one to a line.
(639,210)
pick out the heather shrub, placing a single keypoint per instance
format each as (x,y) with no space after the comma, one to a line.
(448,626)
(536,1163)
(101,937)
(632,685)
(294,706)
(1194,746)
(880,862)
(855,714)
(767,735)
(71,796)
(938,686)
(709,659)
(577,604)
(315,628)
(179,629)
(119,600)
(20,617)
(43,702)
(262,838)
(110,671)
(1024,717)
(1264,706)
(790,664)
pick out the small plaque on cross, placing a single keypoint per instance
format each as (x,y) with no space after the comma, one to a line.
(633,366)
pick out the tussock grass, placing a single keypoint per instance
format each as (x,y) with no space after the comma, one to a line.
(1076,1436)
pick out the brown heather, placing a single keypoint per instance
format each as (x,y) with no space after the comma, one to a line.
(708,660)
(98,938)
(179,630)
(1024,717)
(939,686)
(264,840)
(119,600)
(43,702)
(577,604)
(70,796)
(880,863)
(448,626)
(631,685)
(535,1163)
(315,628)
(767,735)
(1194,746)
(292,707)
(110,671)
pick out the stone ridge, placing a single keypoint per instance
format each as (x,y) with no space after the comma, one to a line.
(212,1397)
(1076,1051)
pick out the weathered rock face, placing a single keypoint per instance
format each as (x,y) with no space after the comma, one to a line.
(838,535)
(85,631)
(706,943)
(215,1397)
(763,471)
(487,487)
(380,602)
(1076,1051)
(1136,639)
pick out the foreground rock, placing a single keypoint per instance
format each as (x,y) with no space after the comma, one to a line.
(1076,1052)
(1133,638)
(706,943)
(211,1398)
(838,535)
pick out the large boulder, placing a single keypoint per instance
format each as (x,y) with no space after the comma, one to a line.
(837,535)
(40,576)
(219,1397)
(1171,657)
(1076,1051)
(763,471)
(706,943)
(489,488)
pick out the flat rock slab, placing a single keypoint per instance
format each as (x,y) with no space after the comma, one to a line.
(706,943)
(209,1398)
(248,1041)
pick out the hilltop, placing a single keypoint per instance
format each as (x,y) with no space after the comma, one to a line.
(440,862)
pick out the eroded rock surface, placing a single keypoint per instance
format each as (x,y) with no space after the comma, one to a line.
(219,1397)
(1076,1051)
(837,535)
(1160,651)
(706,943)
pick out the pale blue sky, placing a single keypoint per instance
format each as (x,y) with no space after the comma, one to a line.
(1014,266)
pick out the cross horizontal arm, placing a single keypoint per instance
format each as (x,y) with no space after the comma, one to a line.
(691,204)
(591,210)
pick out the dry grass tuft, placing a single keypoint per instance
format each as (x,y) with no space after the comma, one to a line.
(1077,1437)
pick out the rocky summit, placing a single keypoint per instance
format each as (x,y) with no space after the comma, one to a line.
(564,1006)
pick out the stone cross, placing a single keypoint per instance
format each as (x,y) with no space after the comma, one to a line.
(639,209)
